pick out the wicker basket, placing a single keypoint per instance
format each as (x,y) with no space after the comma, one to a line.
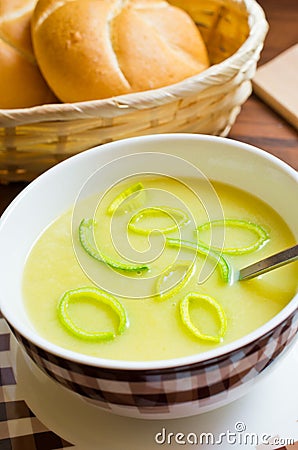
(34,139)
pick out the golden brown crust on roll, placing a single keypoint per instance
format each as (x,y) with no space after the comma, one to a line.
(21,83)
(73,48)
(167,35)
(96,49)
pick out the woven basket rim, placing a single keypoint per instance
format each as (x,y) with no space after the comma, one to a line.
(124,104)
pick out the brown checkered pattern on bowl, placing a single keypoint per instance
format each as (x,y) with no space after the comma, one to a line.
(188,388)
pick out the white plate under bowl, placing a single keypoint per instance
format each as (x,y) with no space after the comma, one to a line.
(270,410)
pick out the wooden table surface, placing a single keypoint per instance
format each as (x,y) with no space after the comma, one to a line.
(257,124)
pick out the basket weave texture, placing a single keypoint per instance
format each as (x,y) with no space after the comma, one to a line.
(34,139)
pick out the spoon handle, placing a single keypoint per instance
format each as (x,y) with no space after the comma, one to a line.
(270,263)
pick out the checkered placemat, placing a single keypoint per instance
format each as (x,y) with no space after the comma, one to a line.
(20,429)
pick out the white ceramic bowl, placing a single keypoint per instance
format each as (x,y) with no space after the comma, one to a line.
(168,388)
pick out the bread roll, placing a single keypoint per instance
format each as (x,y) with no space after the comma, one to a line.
(21,83)
(95,49)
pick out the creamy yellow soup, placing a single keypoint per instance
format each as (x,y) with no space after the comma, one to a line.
(58,263)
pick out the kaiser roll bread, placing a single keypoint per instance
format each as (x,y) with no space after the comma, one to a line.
(21,83)
(94,49)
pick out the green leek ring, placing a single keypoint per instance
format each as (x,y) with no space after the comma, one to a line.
(224,266)
(187,322)
(150,211)
(262,234)
(96,295)
(171,292)
(137,189)
(88,244)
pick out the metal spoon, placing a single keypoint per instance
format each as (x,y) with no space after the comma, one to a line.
(270,263)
